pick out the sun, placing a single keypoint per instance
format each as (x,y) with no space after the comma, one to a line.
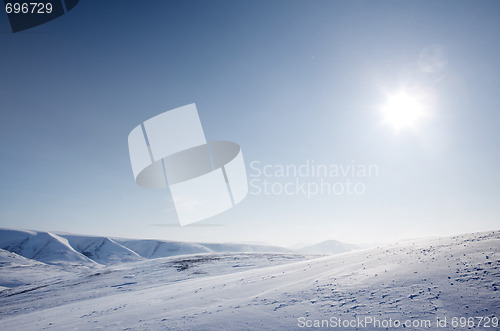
(402,110)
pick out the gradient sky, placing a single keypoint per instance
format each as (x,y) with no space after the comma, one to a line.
(290,81)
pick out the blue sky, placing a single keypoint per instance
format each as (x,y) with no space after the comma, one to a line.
(290,81)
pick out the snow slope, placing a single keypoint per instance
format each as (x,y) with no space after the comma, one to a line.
(146,274)
(16,270)
(420,281)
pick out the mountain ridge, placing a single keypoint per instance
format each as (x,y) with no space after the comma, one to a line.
(64,248)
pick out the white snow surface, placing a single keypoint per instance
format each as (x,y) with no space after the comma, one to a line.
(435,278)
(328,247)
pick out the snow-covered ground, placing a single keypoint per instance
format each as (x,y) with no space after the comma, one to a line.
(329,247)
(422,281)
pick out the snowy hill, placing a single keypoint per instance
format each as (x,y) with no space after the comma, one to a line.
(417,283)
(157,248)
(11,264)
(151,249)
(102,250)
(41,246)
(329,247)
(89,250)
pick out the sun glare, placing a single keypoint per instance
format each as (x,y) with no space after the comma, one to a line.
(402,111)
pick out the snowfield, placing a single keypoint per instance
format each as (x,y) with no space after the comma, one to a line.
(432,279)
